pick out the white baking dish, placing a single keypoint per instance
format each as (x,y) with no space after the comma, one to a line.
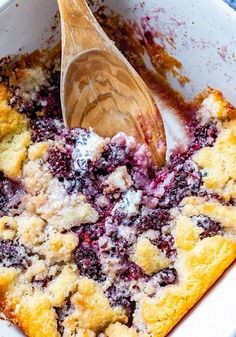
(204,38)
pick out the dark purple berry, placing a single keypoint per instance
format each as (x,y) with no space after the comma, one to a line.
(59,161)
(90,233)
(44,128)
(13,254)
(112,157)
(167,276)
(211,228)
(165,242)
(131,271)
(11,193)
(88,262)
(203,135)
(50,96)
(179,180)
(151,219)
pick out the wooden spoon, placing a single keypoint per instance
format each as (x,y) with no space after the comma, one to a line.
(99,88)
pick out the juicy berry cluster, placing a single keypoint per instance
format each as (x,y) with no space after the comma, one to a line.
(131,271)
(203,135)
(86,254)
(151,219)
(165,242)
(59,161)
(88,262)
(90,233)
(181,181)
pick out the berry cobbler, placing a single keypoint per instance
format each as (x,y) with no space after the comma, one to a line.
(94,239)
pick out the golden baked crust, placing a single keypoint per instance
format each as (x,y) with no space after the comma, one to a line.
(14,139)
(66,267)
(200,268)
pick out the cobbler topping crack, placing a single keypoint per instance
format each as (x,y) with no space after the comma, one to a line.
(89,227)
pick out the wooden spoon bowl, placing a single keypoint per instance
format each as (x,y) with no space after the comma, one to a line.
(99,88)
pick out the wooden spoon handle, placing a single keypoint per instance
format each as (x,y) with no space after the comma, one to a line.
(80,30)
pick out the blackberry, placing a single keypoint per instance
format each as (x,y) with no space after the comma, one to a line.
(13,254)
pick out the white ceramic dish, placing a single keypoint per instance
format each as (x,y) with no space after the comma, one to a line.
(205,42)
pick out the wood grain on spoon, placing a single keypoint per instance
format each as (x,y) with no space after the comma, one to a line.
(99,88)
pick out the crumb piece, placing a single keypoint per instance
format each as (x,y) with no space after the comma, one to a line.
(148,257)
(120,330)
(7,277)
(91,149)
(85,333)
(215,106)
(92,308)
(61,286)
(30,79)
(30,230)
(130,203)
(11,121)
(220,178)
(60,246)
(36,151)
(64,210)
(36,269)
(186,235)
(15,140)
(7,228)
(120,179)
(13,153)
(36,178)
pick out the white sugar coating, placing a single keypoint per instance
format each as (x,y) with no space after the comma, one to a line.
(88,148)
(120,179)
(160,189)
(56,199)
(122,138)
(102,201)
(111,266)
(127,232)
(65,209)
(151,234)
(130,203)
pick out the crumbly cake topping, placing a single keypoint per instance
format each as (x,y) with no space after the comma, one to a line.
(94,239)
